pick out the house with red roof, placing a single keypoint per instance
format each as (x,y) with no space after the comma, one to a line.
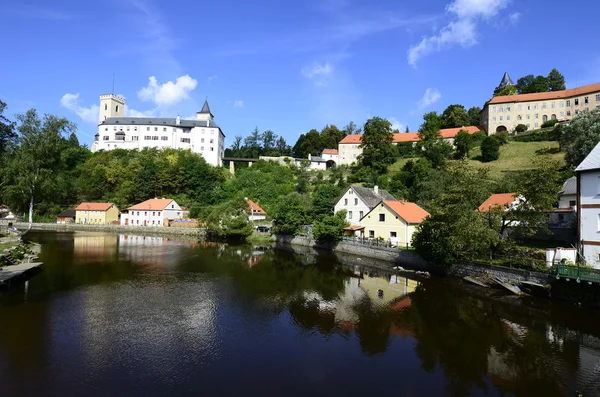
(154,213)
(255,212)
(96,214)
(504,201)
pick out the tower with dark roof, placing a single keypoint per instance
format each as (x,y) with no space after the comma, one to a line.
(506,81)
(204,113)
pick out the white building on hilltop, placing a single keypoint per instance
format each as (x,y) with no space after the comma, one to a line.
(202,136)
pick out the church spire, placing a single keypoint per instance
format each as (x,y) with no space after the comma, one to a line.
(205,108)
(506,81)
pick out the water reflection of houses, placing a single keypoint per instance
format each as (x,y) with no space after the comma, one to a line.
(152,250)
(94,245)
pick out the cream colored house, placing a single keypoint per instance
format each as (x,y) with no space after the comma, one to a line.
(393,221)
(504,113)
(349,148)
(96,214)
(358,200)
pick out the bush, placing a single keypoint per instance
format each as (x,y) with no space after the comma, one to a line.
(330,228)
(477,138)
(521,128)
(490,149)
(501,137)
(407,150)
(549,123)
(549,134)
(463,144)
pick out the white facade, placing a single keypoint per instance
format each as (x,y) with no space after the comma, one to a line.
(148,216)
(589,223)
(202,136)
(355,207)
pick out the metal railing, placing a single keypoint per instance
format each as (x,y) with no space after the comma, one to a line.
(578,273)
(372,242)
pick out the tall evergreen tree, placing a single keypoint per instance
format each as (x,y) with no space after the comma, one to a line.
(556,81)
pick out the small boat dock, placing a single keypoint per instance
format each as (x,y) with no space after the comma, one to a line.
(9,274)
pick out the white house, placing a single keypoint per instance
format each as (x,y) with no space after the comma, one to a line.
(327,160)
(358,201)
(588,207)
(568,194)
(202,136)
(151,213)
(256,212)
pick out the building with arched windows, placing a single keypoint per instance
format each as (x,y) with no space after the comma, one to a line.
(115,131)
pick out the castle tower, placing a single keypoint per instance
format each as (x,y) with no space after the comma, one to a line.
(205,113)
(506,81)
(111,106)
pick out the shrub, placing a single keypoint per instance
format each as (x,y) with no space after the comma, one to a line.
(549,134)
(501,137)
(407,150)
(463,144)
(477,138)
(521,128)
(549,123)
(330,228)
(490,149)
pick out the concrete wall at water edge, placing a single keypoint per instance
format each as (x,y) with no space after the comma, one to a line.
(514,275)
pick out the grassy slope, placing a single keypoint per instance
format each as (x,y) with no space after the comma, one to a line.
(514,156)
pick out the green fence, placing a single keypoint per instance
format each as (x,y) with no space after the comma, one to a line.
(578,273)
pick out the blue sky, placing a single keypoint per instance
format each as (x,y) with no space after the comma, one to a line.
(282,65)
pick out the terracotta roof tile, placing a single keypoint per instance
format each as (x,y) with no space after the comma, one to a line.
(446,133)
(540,96)
(498,200)
(330,151)
(94,206)
(152,204)
(354,228)
(408,211)
(256,210)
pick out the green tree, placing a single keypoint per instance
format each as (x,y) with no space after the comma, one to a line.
(463,144)
(309,143)
(432,146)
(490,149)
(521,128)
(330,228)
(230,220)
(455,116)
(7,131)
(289,215)
(474,115)
(580,136)
(330,136)
(378,149)
(30,170)
(556,81)
(525,84)
(324,199)
(351,128)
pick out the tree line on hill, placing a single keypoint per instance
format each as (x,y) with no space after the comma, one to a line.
(530,84)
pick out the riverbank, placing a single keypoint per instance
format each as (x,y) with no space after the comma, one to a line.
(140,230)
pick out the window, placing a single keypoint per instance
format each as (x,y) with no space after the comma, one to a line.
(597,97)
(528,117)
(562,114)
(147,128)
(138,221)
(360,214)
(147,137)
(381,217)
(201,140)
(568,102)
(355,201)
(544,105)
(202,148)
(158,222)
(345,201)
(586,99)
(494,118)
(553,117)
(493,109)
(164,138)
(508,117)
(501,109)
(599,225)
(536,125)
(153,213)
(155,128)
(553,105)
(174,129)
(576,101)
(519,107)
(349,214)
(155,138)
(105,138)
(393,235)
(117,108)
(568,113)
(536,116)
(105,106)
(544,118)
(120,137)
(535,107)
(350,192)
(508,108)
(135,128)
(500,118)
(371,233)
(576,111)
(572,203)
(528,107)
(114,128)
(212,149)
(134,138)
(145,213)
(153,222)
(127,129)
(519,117)
(212,141)
(528,125)
(185,140)
(106,129)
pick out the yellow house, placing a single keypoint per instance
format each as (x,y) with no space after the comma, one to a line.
(393,221)
(96,214)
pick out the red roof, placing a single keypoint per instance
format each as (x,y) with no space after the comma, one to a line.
(256,210)
(94,207)
(540,96)
(446,133)
(353,228)
(502,200)
(152,204)
(330,151)
(410,212)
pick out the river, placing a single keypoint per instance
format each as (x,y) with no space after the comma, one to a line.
(122,315)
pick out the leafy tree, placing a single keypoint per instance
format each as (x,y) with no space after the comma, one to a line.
(463,143)
(30,171)
(541,84)
(269,140)
(330,136)
(324,199)
(580,136)
(330,228)
(378,149)
(490,149)
(351,129)
(455,116)
(408,181)
(549,123)
(309,143)
(556,81)
(508,90)
(521,128)
(289,215)
(474,115)
(432,146)
(525,84)
(7,131)
(230,220)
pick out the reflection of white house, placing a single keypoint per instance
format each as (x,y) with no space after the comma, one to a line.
(588,206)
(151,213)
(358,200)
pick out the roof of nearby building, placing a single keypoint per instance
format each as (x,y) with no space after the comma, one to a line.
(330,151)
(506,80)
(158,121)
(408,211)
(256,209)
(369,197)
(152,204)
(570,186)
(446,133)
(498,200)
(205,108)
(540,96)
(94,207)
(66,214)
(592,161)
(353,228)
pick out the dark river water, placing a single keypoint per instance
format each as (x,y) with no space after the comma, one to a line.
(121,315)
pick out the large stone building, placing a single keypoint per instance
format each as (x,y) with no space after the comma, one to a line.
(504,113)
(202,136)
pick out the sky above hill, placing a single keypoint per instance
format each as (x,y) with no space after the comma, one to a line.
(288,66)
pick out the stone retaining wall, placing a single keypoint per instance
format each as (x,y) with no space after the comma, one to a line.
(141,230)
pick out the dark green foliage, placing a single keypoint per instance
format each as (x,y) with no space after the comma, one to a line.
(408,181)
(490,149)
(229,220)
(508,90)
(330,228)
(407,150)
(501,137)
(549,134)
(474,115)
(289,215)
(258,144)
(556,81)
(324,199)
(7,131)
(477,138)
(521,128)
(463,144)
(313,142)
(455,116)
(580,136)
(378,149)
(431,145)
(549,123)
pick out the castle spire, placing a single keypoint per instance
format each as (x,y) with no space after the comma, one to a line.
(506,81)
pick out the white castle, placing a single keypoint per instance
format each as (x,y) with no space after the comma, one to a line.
(115,131)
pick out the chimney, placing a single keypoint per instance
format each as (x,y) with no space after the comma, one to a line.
(309,156)
(376,189)
(177,120)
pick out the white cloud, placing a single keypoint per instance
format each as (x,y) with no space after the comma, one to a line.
(317,72)
(238,104)
(396,125)
(89,114)
(136,113)
(430,97)
(514,18)
(462,30)
(168,93)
